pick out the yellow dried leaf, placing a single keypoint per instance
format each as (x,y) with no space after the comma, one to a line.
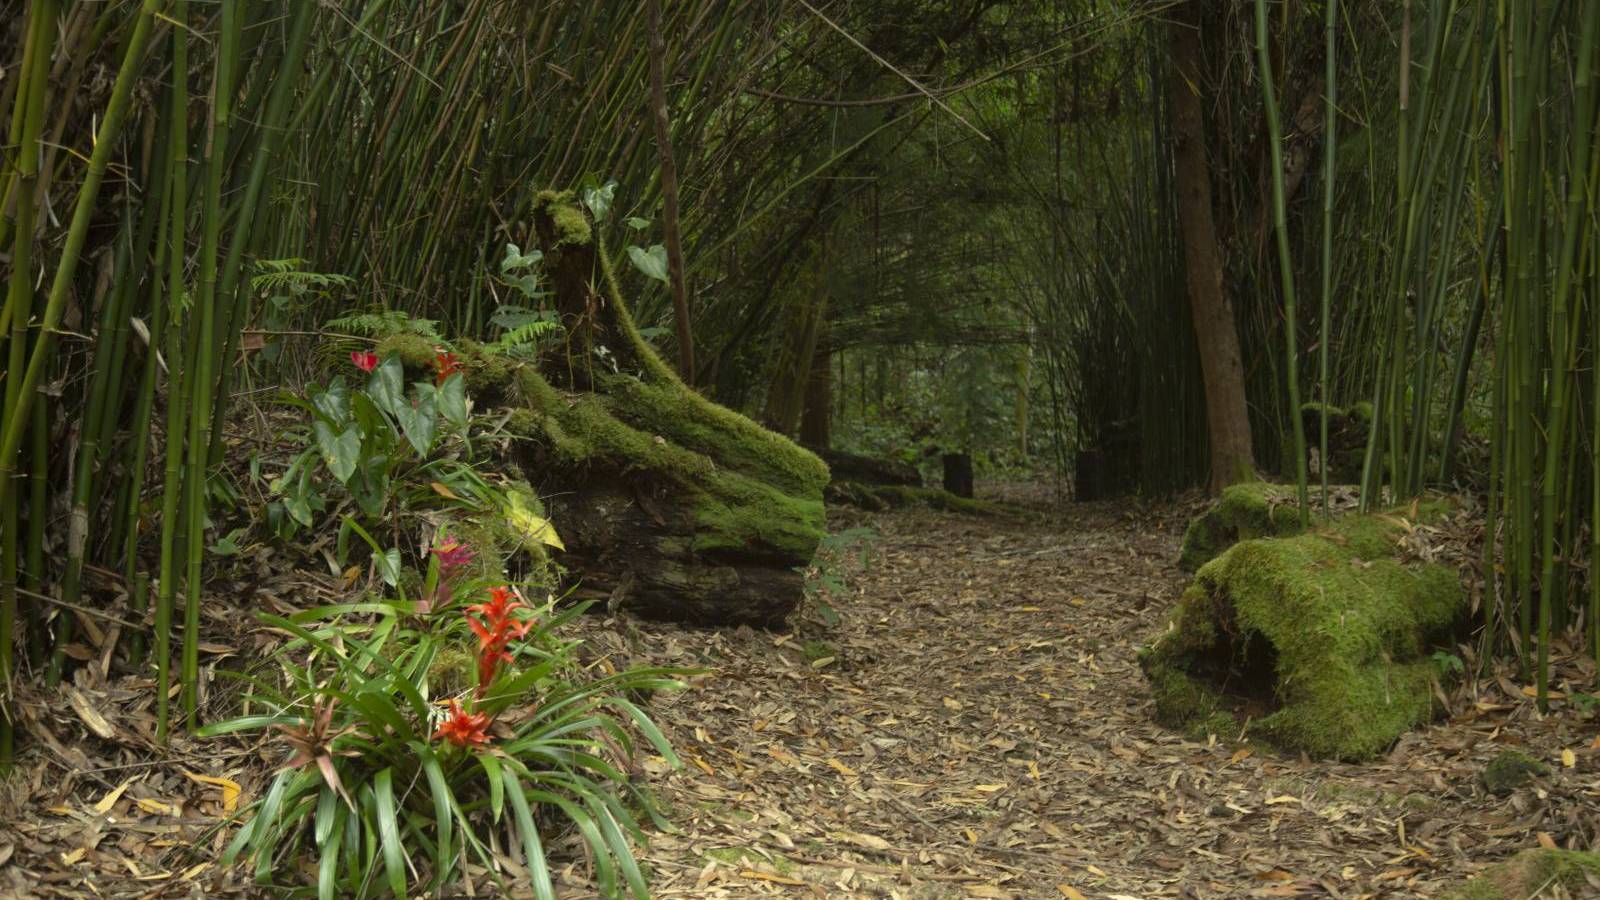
(156,807)
(112,796)
(989,788)
(1546,841)
(1240,755)
(71,856)
(951,703)
(443,490)
(1569,759)
(194,871)
(230,789)
(1282,798)
(1096,870)
(841,768)
(1070,892)
(533,526)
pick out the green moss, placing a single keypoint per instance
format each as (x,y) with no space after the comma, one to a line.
(692,421)
(815,650)
(1328,630)
(1510,770)
(1533,873)
(733,506)
(572,226)
(416,352)
(1252,509)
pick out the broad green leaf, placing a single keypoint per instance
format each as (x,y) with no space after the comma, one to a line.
(497,789)
(599,200)
(532,846)
(453,400)
(386,387)
(341,452)
(440,788)
(389,833)
(515,258)
(636,223)
(652,262)
(530,525)
(419,419)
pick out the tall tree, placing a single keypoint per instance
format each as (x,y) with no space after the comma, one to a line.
(1227,420)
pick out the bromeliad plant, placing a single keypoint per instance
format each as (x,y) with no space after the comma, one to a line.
(393,450)
(408,755)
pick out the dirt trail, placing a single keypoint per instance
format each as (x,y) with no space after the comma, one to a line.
(982,731)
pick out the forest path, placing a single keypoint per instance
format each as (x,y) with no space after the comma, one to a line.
(983,730)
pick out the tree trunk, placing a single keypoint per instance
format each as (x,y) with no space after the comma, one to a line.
(816,420)
(1222,371)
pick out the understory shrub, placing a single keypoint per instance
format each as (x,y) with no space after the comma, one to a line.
(420,736)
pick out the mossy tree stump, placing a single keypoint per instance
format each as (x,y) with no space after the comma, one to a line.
(668,504)
(1322,642)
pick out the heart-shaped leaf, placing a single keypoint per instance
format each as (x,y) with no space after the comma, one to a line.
(652,262)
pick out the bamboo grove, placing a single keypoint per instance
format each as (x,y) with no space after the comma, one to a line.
(1403,195)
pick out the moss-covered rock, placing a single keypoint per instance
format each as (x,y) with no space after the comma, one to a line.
(667,502)
(1535,873)
(1510,770)
(1253,509)
(1321,641)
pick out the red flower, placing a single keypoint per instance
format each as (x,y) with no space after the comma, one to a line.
(495,630)
(365,360)
(453,557)
(464,729)
(445,364)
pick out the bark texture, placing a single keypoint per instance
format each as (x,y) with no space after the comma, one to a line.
(1227,421)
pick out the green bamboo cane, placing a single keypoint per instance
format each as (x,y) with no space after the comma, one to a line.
(204,361)
(1330,150)
(1285,264)
(178,381)
(18,416)
(30,97)
(1563,349)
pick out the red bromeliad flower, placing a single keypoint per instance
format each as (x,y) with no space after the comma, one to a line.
(445,364)
(453,557)
(464,729)
(495,630)
(365,360)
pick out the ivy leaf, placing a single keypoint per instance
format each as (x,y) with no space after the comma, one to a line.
(636,223)
(341,452)
(598,200)
(387,386)
(453,400)
(388,565)
(652,262)
(515,258)
(418,419)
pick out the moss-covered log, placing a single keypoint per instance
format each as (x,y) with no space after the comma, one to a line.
(668,503)
(1536,873)
(1253,509)
(1322,642)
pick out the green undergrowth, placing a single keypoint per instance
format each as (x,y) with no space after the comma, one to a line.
(1318,642)
(1535,873)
